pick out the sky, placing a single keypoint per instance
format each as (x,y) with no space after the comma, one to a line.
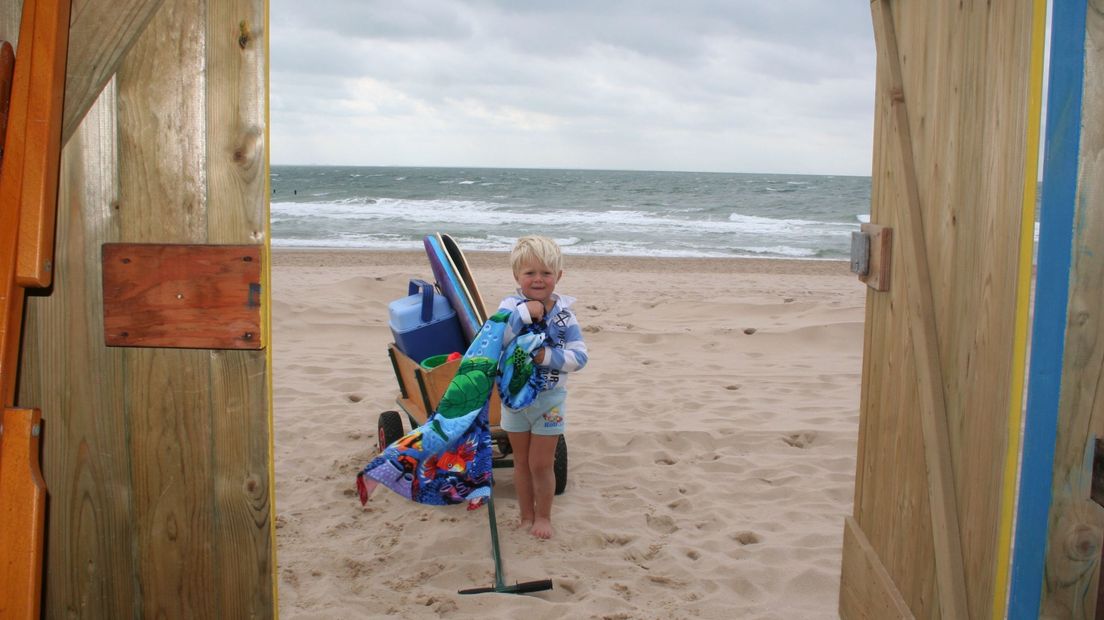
(776,86)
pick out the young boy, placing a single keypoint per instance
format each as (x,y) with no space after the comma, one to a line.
(534,430)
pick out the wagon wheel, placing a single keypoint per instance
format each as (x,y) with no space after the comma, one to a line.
(559,466)
(390,429)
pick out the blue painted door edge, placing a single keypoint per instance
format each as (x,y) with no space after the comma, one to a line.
(1060,167)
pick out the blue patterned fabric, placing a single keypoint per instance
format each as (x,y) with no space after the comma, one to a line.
(447,460)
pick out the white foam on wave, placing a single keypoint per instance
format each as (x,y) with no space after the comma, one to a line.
(466,212)
(363,222)
(595,248)
(780,250)
(768,225)
(359,243)
(442,212)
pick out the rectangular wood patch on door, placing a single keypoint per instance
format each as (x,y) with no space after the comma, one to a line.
(182,296)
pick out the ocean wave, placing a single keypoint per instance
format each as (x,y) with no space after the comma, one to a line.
(439,213)
(754,223)
(594,248)
(780,250)
(589,212)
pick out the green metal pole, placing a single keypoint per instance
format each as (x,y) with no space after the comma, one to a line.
(500,583)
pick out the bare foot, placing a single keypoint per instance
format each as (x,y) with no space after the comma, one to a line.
(542,528)
(525,524)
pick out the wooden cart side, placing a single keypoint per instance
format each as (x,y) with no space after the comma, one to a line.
(421,388)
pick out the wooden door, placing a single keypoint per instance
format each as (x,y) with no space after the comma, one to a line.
(157,460)
(943,350)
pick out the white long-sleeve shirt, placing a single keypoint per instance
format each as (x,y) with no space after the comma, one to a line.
(564,351)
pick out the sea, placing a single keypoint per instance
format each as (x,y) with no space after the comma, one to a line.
(602,212)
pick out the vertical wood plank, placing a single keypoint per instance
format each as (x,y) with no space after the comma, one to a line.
(244,534)
(162,198)
(1076,523)
(980,352)
(925,340)
(890,439)
(101,33)
(85,455)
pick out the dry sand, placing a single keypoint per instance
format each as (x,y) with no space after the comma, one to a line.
(711,441)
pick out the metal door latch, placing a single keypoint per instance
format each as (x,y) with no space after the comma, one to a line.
(871,250)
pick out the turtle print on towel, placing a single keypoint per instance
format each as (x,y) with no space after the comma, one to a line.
(447,460)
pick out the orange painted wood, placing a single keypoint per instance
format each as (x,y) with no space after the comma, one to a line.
(42,158)
(11,184)
(182,296)
(22,515)
(7,67)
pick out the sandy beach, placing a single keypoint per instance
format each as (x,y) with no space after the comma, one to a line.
(711,441)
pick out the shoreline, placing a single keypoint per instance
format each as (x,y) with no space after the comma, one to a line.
(333,257)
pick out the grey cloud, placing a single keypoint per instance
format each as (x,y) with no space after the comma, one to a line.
(603,77)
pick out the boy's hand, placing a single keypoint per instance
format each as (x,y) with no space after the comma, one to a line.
(536,309)
(538,357)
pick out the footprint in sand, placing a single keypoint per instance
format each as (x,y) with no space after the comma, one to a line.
(747,538)
(680,505)
(617,539)
(567,585)
(663,580)
(800,440)
(662,524)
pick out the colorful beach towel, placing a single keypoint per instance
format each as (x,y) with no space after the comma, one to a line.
(447,460)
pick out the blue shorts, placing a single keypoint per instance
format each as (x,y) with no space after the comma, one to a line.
(544,416)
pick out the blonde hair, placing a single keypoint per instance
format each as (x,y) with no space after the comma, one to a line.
(536,247)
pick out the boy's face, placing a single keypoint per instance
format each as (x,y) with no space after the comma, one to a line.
(536,281)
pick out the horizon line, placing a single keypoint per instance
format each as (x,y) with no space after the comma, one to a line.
(481,167)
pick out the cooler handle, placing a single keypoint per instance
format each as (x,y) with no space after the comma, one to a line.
(427,297)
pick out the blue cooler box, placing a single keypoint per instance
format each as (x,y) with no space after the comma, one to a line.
(424,323)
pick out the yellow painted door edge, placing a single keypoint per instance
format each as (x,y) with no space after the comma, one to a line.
(266,279)
(1023,295)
